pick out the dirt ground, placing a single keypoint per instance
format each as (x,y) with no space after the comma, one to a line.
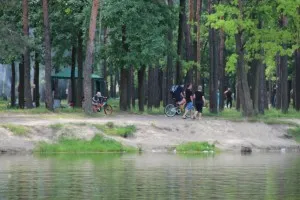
(154,133)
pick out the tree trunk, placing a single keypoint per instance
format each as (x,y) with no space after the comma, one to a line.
(278,86)
(80,70)
(221,68)
(213,83)
(132,88)
(156,90)
(111,85)
(27,86)
(13,85)
(297,83)
(180,41)
(48,67)
(123,89)
(284,75)
(169,71)
(36,93)
(73,79)
(21,84)
(141,88)
(129,89)
(87,71)
(105,64)
(237,97)
(244,93)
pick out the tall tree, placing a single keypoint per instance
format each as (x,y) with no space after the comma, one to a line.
(87,71)
(297,88)
(13,85)
(221,70)
(21,84)
(36,81)
(48,67)
(180,41)
(213,83)
(284,74)
(80,69)
(198,19)
(141,87)
(27,93)
(73,78)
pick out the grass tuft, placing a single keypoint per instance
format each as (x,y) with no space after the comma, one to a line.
(97,145)
(17,130)
(123,131)
(295,132)
(56,127)
(195,147)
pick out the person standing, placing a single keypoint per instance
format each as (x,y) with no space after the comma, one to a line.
(228,94)
(199,102)
(189,100)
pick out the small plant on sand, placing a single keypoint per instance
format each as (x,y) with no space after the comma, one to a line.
(295,132)
(96,145)
(195,147)
(111,129)
(56,127)
(17,130)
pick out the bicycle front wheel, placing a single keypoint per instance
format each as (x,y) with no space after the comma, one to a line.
(170,110)
(108,110)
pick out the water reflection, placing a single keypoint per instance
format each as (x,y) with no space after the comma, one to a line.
(150,176)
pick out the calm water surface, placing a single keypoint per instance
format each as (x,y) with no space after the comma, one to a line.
(151,176)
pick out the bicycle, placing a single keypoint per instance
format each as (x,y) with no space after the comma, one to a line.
(106,107)
(175,109)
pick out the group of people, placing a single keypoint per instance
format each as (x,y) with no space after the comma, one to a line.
(190,99)
(195,100)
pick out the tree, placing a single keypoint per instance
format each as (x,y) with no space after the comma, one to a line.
(87,70)
(27,86)
(13,85)
(182,7)
(48,67)
(36,91)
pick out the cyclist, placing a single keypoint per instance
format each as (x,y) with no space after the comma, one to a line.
(179,95)
(97,99)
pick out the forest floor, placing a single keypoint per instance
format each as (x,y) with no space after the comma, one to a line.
(154,132)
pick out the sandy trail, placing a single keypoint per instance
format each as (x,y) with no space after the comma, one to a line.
(156,133)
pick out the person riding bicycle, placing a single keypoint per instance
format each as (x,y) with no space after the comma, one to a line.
(179,95)
(97,99)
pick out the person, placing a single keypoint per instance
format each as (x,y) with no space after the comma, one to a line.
(178,95)
(189,100)
(98,98)
(199,102)
(228,94)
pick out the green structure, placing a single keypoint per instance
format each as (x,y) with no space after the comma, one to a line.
(98,83)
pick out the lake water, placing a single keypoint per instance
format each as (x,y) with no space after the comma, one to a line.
(151,176)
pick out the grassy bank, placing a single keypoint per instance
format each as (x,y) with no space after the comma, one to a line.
(17,130)
(196,147)
(111,129)
(97,145)
(295,132)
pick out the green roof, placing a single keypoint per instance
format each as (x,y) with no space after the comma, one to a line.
(65,73)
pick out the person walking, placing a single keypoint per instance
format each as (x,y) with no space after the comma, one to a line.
(199,102)
(228,94)
(189,100)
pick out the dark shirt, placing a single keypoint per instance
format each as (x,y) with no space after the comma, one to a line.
(188,94)
(199,96)
(229,95)
(178,92)
(97,99)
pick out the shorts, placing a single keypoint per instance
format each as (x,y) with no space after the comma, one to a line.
(189,106)
(199,107)
(181,102)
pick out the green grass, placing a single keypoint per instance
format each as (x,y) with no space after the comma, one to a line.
(295,132)
(56,127)
(17,130)
(195,147)
(123,131)
(97,145)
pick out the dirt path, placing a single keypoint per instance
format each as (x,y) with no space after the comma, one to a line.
(155,133)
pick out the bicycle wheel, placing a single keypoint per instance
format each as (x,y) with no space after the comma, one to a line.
(170,110)
(108,109)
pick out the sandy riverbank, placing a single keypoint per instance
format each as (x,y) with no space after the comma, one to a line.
(154,133)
